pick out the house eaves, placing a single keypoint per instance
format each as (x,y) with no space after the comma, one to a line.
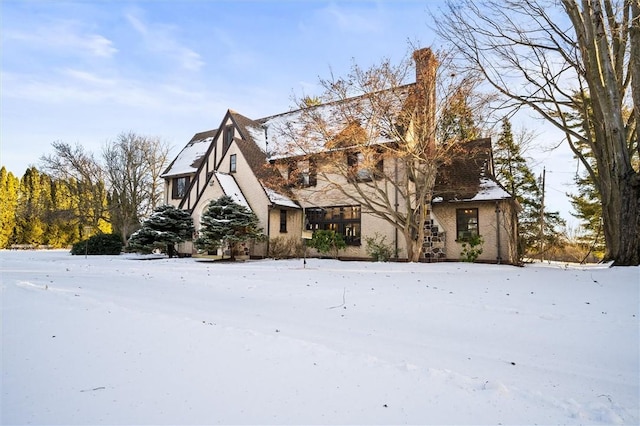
(190,157)
(230,187)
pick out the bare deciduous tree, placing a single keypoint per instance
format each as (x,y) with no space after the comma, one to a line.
(85,178)
(556,57)
(373,139)
(133,164)
(122,189)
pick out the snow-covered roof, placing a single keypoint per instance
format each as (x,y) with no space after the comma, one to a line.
(304,131)
(230,187)
(188,159)
(490,190)
(280,199)
(258,135)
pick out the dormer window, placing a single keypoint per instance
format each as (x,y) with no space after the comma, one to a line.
(303,173)
(364,167)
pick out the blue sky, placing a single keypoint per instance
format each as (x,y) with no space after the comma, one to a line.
(85,71)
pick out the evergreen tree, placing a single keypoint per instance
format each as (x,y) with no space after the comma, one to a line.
(85,181)
(458,120)
(587,203)
(588,209)
(9,185)
(30,228)
(513,172)
(225,222)
(166,226)
(62,224)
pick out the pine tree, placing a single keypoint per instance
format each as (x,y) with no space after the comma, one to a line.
(9,185)
(513,172)
(166,226)
(225,222)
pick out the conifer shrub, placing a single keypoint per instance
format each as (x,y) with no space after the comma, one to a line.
(228,225)
(105,244)
(166,227)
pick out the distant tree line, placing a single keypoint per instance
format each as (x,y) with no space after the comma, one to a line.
(73,194)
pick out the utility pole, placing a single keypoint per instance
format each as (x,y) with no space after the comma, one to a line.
(541,237)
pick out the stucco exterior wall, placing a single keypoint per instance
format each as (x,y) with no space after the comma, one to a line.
(249,185)
(325,194)
(251,189)
(294,224)
(488,223)
(211,192)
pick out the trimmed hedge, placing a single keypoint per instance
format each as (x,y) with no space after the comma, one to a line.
(99,244)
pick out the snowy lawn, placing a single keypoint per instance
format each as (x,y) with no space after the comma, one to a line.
(119,340)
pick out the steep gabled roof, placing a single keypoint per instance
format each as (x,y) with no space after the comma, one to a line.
(230,187)
(277,134)
(251,149)
(189,159)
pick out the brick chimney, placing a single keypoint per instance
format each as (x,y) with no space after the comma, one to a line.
(426,66)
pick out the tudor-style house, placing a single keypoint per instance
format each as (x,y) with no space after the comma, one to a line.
(294,193)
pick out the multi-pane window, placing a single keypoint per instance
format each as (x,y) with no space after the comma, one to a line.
(466,223)
(179,187)
(303,173)
(364,167)
(233,163)
(283,220)
(343,220)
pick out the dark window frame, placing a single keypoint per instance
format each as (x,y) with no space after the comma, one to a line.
(179,186)
(357,172)
(233,163)
(345,220)
(283,221)
(228,136)
(302,179)
(467,223)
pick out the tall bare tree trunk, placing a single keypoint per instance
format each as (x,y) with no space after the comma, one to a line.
(594,71)
(618,183)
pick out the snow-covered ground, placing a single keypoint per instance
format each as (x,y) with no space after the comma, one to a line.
(119,340)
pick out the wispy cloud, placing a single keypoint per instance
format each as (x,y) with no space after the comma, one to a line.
(75,87)
(360,20)
(67,36)
(160,38)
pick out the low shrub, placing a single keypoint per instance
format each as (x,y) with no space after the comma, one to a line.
(378,249)
(327,241)
(285,248)
(99,244)
(471,249)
